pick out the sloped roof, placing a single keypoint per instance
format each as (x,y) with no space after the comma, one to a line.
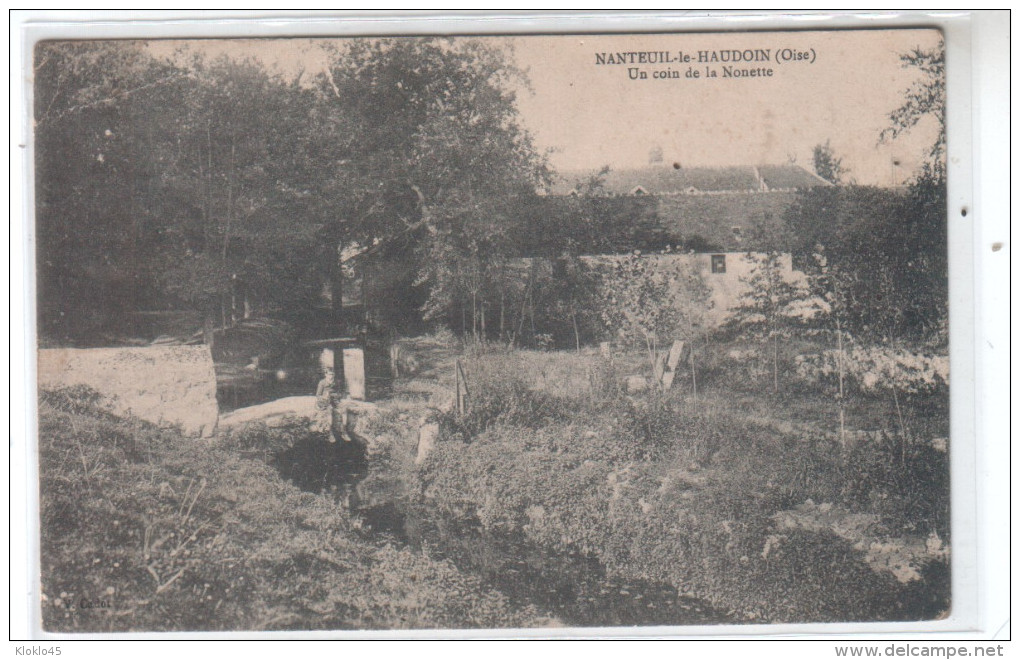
(671,180)
(786,177)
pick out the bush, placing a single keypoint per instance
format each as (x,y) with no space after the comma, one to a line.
(907,484)
(258,439)
(500,394)
(506,402)
(73,399)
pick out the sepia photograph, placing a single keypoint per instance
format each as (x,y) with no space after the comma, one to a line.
(502,332)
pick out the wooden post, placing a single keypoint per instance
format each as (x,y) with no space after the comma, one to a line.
(395,360)
(670,362)
(462,390)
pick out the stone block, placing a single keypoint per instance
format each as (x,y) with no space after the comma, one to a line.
(165,385)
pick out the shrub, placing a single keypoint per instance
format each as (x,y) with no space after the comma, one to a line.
(502,395)
(265,441)
(651,299)
(907,484)
(75,398)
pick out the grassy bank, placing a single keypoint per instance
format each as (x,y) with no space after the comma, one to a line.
(742,498)
(144,530)
(747,500)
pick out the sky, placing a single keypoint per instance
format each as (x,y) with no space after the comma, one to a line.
(594,114)
(587,115)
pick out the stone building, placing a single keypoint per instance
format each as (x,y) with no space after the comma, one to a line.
(730,213)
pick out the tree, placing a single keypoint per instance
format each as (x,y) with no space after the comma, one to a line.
(693,301)
(93,167)
(827,165)
(434,148)
(925,98)
(219,186)
(179,183)
(247,184)
(924,251)
(886,253)
(765,312)
(653,299)
(573,292)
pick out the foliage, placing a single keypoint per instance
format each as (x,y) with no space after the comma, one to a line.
(245,163)
(926,97)
(169,184)
(894,275)
(436,151)
(827,164)
(885,252)
(654,299)
(768,310)
(922,244)
(878,256)
(571,301)
(85,225)
(218,185)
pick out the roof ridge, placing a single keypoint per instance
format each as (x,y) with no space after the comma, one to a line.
(661,179)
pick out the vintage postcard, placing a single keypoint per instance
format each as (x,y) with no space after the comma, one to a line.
(492,332)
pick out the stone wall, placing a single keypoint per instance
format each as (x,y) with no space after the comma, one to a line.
(165,385)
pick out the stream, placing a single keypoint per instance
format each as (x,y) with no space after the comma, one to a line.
(573,588)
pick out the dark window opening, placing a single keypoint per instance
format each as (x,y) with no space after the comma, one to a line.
(718,263)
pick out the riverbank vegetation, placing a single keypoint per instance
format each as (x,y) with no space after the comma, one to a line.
(145,530)
(749,501)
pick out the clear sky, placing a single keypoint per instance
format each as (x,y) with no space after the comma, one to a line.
(588,115)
